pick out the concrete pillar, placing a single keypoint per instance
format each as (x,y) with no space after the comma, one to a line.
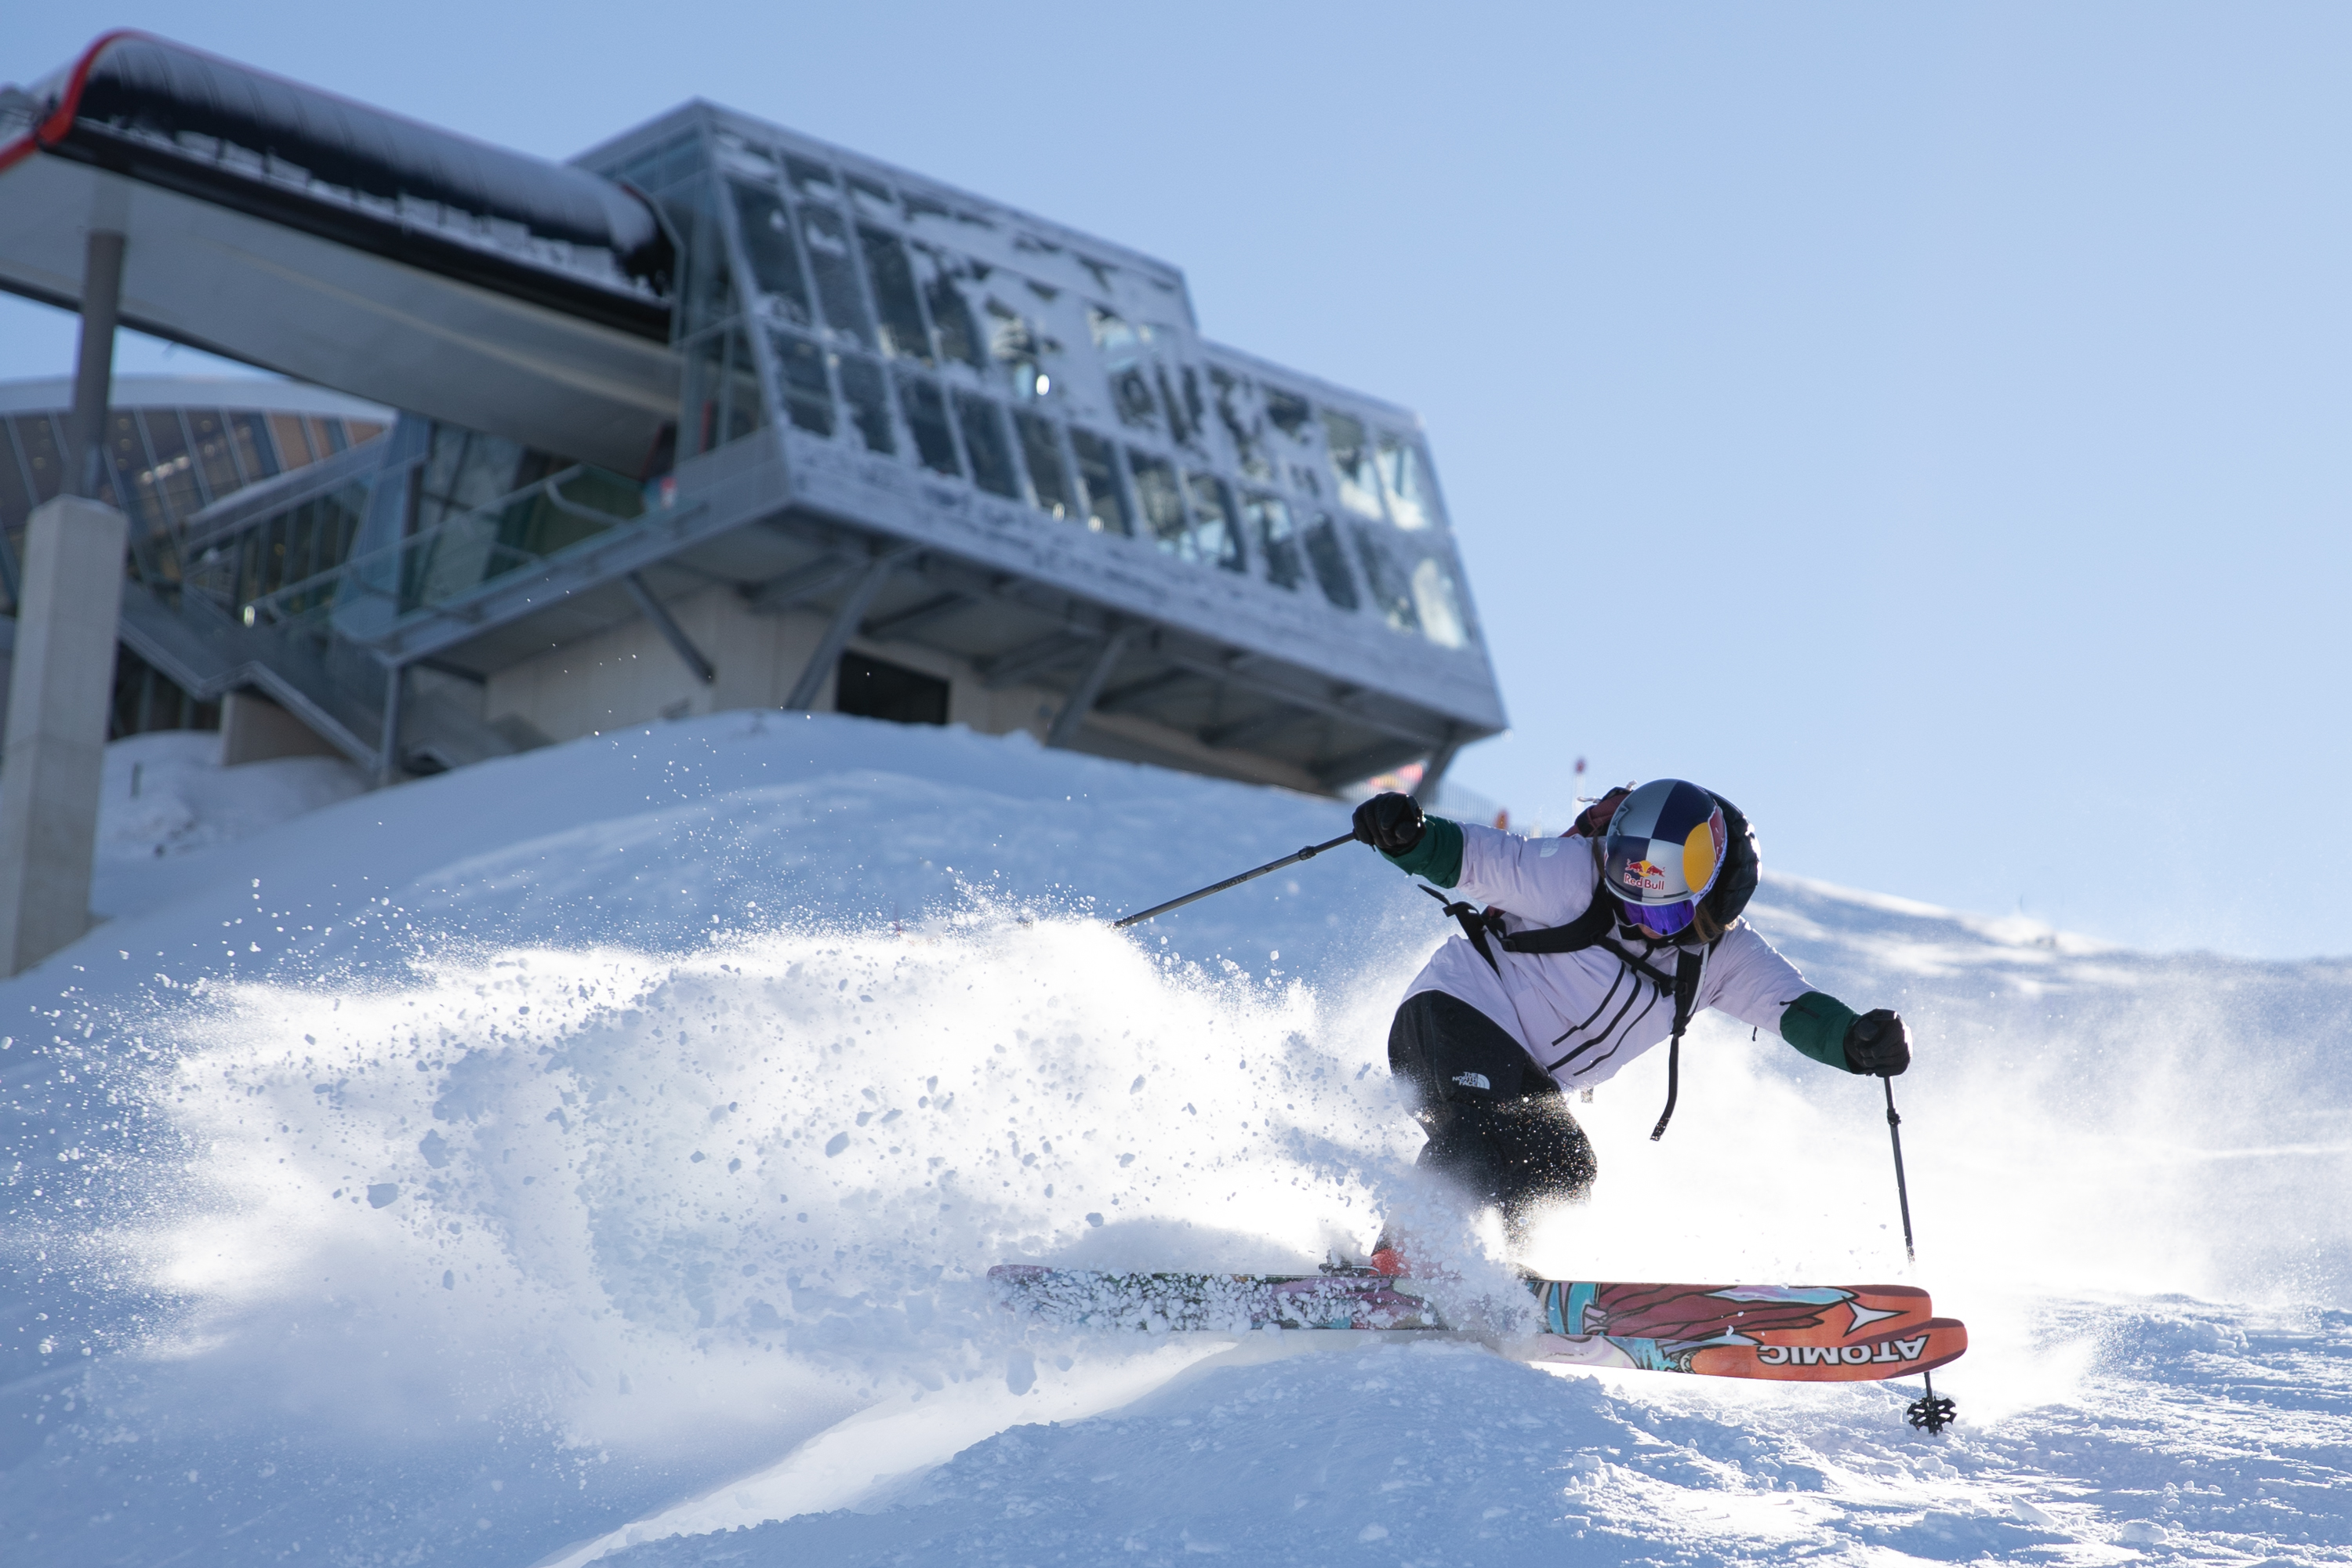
(59,693)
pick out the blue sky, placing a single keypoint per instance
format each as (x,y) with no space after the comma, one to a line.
(1924,425)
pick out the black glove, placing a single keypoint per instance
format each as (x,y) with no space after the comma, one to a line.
(1878,1044)
(1390,823)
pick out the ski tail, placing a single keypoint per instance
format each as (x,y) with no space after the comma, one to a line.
(1903,1352)
(1694,1314)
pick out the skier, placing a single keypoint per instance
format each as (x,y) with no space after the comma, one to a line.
(1592,947)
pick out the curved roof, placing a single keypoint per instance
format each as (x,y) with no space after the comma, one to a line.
(54,394)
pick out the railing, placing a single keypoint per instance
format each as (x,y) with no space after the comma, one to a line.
(371,596)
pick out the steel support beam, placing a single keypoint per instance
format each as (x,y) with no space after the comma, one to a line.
(1135,691)
(899,623)
(1434,774)
(387,757)
(1243,731)
(101,301)
(1339,705)
(1017,665)
(1359,764)
(845,622)
(1081,700)
(667,624)
(802,583)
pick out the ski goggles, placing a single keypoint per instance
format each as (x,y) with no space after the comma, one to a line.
(1662,920)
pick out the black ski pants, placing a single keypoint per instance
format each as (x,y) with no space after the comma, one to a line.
(1499,1128)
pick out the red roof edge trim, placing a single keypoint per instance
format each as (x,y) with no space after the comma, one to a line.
(53,128)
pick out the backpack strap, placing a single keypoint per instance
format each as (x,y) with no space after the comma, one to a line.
(1587,930)
(1689,966)
(1475,924)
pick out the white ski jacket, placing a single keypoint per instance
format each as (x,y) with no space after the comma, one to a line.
(1584,1016)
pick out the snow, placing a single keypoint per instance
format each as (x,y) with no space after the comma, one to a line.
(594,1155)
(164,800)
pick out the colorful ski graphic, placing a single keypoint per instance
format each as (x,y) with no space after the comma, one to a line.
(1833,1333)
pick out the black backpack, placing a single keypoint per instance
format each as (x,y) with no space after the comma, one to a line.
(1723,901)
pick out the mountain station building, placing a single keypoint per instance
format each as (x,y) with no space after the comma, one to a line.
(715,416)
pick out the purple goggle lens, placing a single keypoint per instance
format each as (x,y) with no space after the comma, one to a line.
(1663,920)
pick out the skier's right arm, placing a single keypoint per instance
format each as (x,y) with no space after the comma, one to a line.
(1548,881)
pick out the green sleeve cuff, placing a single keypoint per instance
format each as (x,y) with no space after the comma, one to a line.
(1437,856)
(1815,1023)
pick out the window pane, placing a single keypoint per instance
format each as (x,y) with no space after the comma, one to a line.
(1214,530)
(1330,563)
(950,311)
(893,276)
(705,377)
(45,461)
(774,256)
(214,464)
(745,409)
(16,500)
(1269,524)
(293,446)
(872,198)
(1404,480)
(1098,476)
(1013,342)
(1121,347)
(926,416)
(1162,507)
(836,275)
(810,179)
(800,367)
(983,438)
(1440,605)
(1241,413)
(709,287)
(1351,463)
(1392,588)
(722,390)
(869,398)
(1185,411)
(1289,411)
(465,469)
(127,466)
(173,481)
(1047,478)
(256,454)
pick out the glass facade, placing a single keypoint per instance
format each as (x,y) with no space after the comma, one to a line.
(164,465)
(865,308)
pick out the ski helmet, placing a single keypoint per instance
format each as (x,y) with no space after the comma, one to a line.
(1665,846)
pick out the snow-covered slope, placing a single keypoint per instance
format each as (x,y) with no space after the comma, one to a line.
(593,1154)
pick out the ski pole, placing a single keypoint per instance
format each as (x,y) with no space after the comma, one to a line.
(1308,853)
(1930,1413)
(1902,1187)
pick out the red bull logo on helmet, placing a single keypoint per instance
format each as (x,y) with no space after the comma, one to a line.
(1645,878)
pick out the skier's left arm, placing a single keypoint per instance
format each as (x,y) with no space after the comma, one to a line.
(1750,981)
